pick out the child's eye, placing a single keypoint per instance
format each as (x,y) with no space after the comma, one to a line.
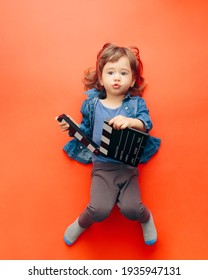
(124,73)
(110,72)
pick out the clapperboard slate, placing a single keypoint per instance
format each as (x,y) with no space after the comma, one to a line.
(125,145)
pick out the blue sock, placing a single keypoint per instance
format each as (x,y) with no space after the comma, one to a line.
(149,231)
(72,232)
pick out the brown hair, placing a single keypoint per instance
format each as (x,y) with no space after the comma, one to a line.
(112,53)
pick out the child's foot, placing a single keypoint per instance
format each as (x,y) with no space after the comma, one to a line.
(72,232)
(149,231)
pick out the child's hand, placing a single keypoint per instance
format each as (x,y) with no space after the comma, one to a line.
(63,125)
(120,122)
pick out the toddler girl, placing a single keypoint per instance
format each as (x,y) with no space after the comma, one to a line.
(113,93)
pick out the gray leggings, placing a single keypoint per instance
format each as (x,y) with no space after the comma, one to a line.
(114,183)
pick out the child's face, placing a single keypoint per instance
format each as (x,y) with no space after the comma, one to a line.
(117,77)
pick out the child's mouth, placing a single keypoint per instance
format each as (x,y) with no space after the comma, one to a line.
(116,86)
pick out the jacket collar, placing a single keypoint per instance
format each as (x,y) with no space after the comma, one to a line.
(93,93)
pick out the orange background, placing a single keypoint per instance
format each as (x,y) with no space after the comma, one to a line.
(44,48)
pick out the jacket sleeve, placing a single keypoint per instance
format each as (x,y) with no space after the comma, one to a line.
(85,123)
(74,148)
(153,143)
(143,114)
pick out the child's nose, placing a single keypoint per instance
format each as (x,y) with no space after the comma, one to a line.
(117,76)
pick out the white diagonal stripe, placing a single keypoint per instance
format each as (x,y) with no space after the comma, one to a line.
(105,140)
(103,150)
(107,127)
(78,136)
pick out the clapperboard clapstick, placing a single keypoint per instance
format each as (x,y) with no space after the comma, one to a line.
(125,145)
(76,132)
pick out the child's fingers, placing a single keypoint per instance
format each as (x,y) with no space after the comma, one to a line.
(119,122)
(113,121)
(63,124)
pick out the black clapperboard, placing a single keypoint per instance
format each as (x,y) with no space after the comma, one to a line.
(125,145)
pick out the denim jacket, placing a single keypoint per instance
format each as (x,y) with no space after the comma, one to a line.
(134,106)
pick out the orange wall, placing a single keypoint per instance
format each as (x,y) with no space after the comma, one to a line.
(44,48)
